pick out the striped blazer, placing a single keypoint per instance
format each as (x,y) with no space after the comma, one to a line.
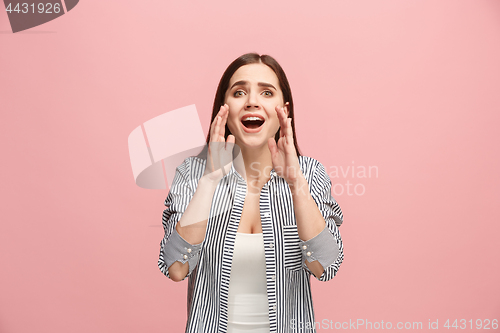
(288,277)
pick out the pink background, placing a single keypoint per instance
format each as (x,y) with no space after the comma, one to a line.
(410,87)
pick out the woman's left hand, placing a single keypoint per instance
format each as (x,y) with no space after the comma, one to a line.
(284,156)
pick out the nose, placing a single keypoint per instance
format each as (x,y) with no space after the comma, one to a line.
(252,101)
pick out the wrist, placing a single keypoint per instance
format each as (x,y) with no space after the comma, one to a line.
(299,184)
(206,180)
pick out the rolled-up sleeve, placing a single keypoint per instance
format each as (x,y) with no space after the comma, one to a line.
(173,247)
(326,247)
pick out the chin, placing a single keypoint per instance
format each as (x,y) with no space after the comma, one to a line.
(252,143)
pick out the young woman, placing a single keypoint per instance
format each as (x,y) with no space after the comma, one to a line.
(250,219)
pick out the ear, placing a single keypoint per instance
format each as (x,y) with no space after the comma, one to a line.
(286,109)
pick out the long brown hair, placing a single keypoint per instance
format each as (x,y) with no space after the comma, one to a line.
(252,58)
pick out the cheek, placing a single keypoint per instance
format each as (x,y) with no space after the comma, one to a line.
(232,122)
(274,119)
(274,125)
(233,109)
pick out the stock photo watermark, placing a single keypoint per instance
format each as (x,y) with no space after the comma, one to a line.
(356,173)
(24,15)
(346,180)
(430,324)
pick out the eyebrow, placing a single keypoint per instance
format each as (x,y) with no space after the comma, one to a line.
(260,84)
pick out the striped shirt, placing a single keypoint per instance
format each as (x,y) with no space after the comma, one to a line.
(287,276)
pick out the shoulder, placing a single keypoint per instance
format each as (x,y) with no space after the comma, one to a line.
(308,163)
(310,166)
(192,167)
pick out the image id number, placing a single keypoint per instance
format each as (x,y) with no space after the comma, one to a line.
(47,8)
(484,324)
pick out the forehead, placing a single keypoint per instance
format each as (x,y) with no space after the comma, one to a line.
(255,73)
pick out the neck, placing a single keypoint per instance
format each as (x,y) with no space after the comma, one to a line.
(257,164)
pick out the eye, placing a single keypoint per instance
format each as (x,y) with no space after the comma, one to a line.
(268,93)
(236,93)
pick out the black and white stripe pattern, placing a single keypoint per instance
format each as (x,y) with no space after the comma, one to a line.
(288,278)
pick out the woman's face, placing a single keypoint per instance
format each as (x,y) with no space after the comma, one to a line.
(253,94)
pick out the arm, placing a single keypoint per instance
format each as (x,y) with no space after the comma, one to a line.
(184,221)
(318,216)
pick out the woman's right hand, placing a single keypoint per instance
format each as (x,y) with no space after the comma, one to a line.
(220,152)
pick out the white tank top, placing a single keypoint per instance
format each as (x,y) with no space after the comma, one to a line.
(248,305)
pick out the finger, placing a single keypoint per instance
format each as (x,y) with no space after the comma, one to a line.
(285,120)
(281,143)
(220,112)
(287,135)
(277,109)
(230,141)
(224,114)
(217,129)
(285,123)
(213,131)
(212,127)
(272,147)
(280,119)
(289,138)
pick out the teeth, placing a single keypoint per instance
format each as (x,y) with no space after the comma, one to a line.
(252,118)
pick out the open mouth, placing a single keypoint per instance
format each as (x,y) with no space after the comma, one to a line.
(252,122)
